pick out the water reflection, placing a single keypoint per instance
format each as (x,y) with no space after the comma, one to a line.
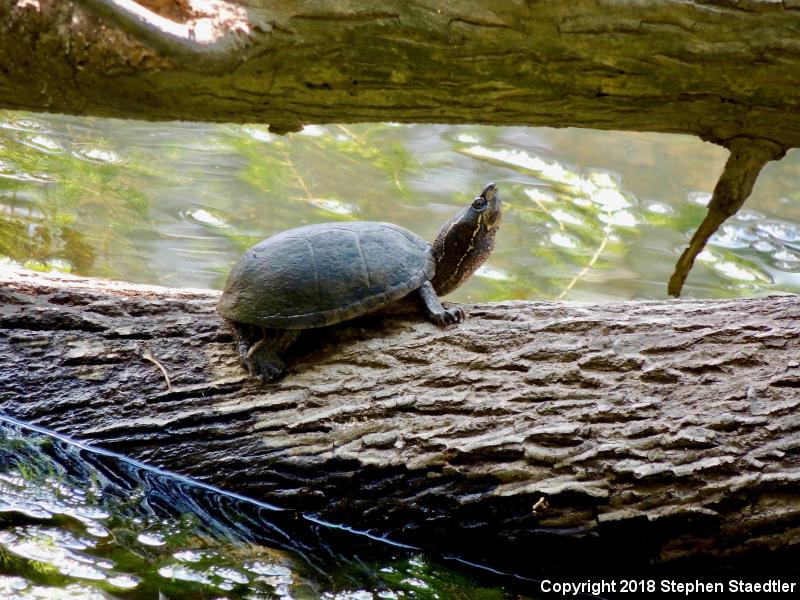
(86,524)
(590,215)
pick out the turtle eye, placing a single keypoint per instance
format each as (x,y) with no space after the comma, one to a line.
(479,203)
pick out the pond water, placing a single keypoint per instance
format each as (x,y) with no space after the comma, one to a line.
(588,216)
(80,523)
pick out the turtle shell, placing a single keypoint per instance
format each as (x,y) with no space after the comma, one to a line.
(324,274)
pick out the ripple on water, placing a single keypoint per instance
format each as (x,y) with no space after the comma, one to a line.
(201,216)
(539,194)
(333,206)
(268,569)
(189,555)
(518,159)
(493,273)
(356,595)
(231,575)
(733,237)
(151,538)
(563,215)
(764,246)
(125,582)
(8,170)
(786,260)
(741,272)
(699,198)
(748,216)
(607,179)
(184,573)
(61,549)
(734,268)
(564,240)
(779,230)
(313,131)
(414,582)
(260,134)
(658,208)
(95,154)
(24,124)
(620,218)
(45,143)
(28,509)
(788,266)
(10,584)
(467,138)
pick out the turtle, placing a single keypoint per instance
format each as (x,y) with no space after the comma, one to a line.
(320,275)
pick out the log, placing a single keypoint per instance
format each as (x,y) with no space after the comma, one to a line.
(535,435)
(718,69)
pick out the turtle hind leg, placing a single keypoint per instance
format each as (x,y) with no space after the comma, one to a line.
(246,337)
(263,359)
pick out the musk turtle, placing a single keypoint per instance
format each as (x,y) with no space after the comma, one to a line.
(324,274)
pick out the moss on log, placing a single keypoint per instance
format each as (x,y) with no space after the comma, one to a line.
(534,434)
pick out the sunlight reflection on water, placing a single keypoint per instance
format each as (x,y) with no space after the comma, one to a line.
(177,203)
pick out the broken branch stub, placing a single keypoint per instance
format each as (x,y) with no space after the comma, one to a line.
(748,156)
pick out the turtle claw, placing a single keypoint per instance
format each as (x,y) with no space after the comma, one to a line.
(449,316)
(262,363)
(266,370)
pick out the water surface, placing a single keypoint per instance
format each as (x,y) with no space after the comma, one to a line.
(76,522)
(589,215)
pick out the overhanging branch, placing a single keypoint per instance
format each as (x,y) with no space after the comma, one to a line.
(747,158)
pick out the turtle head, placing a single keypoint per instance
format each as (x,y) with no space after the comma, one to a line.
(466,240)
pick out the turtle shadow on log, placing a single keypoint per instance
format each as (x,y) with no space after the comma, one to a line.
(318,345)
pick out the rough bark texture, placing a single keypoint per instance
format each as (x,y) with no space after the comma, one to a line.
(547,433)
(714,68)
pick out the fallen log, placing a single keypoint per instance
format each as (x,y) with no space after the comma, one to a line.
(535,434)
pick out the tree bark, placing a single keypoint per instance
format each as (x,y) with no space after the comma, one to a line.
(537,433)
(718,69)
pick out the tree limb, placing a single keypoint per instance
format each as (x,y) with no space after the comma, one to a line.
(710,69)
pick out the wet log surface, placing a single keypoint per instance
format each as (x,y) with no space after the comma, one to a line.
(534,434)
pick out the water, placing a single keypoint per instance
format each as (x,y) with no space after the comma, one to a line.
(79,523)
(589,215)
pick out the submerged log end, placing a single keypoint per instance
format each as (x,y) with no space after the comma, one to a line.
(748,156)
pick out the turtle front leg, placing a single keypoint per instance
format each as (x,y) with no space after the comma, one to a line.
(436,312)
(263,359)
